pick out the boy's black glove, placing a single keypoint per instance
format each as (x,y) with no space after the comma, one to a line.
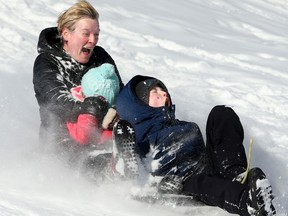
(96,106)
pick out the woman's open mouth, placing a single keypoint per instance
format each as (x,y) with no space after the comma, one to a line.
(86,51)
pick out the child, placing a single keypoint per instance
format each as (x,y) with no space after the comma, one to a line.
(209,173)
(101,82)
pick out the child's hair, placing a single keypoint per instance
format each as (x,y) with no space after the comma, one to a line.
(102,81)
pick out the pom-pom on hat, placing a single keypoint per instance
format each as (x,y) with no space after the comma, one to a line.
(102,81)
(143,88)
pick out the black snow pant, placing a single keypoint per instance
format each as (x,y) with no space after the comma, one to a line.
(227,159)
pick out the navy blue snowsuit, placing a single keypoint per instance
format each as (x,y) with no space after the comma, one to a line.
(207,170)
(174,142)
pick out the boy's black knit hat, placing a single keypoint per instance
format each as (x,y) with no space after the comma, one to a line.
(143,88)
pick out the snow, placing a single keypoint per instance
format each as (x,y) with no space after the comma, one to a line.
(206,52)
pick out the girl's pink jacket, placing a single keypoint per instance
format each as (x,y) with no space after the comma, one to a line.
(86,129)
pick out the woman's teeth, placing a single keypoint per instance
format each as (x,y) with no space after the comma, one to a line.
(86,50)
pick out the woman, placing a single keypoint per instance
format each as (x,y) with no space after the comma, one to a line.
(66,53)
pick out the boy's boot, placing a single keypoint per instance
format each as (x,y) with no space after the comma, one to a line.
(260,196)
(124,150)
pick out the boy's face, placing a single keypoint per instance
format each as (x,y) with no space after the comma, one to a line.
(158,97)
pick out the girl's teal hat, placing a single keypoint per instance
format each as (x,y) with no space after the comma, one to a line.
(102,81)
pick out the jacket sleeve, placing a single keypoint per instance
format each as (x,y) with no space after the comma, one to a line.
(51,91)
(85,130)
(175,145)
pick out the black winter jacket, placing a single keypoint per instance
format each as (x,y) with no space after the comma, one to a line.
(54,74)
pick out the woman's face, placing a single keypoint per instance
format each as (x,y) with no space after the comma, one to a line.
(80,43)
(158,97)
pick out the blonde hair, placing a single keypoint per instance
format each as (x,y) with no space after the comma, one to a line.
(81,9)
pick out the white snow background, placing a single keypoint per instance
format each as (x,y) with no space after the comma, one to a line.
(207,52)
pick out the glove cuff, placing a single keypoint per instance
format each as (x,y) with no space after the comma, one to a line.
(108,118)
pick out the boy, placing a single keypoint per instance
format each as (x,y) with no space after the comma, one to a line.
(208,173)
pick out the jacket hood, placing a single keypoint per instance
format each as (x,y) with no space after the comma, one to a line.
(50,42)
(133,109)
(144,119)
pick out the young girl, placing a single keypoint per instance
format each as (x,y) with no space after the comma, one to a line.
(101,82)
(209,173)
(92,130)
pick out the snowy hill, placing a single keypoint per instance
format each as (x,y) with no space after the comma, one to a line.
(207,52)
